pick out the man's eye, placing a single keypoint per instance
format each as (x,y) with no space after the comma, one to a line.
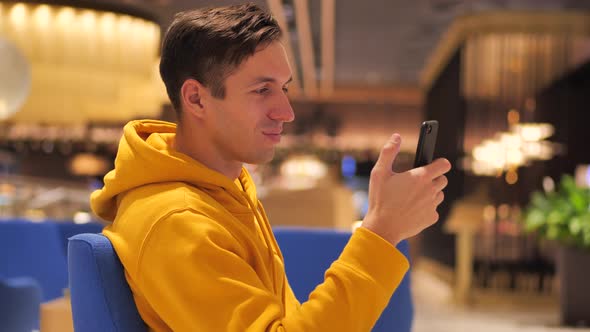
(262,91)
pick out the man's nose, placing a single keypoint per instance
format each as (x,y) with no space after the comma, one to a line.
(283,110)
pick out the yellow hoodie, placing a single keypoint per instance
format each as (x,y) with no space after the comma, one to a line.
(199,253)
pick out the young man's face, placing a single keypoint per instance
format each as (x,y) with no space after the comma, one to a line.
(246,125)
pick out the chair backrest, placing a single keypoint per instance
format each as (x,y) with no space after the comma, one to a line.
(309,253)
(34,250)
(69,229)
(101,298)
(20,301)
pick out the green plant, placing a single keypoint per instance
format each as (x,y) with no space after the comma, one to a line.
(562,215)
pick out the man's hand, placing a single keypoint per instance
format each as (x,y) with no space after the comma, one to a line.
(401,205)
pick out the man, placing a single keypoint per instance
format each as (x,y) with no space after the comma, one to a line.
(197,247)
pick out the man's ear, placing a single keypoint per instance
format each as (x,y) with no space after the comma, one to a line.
(191,94)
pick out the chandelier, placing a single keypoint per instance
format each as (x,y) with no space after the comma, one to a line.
(85,64)
(507,151)
(506,60)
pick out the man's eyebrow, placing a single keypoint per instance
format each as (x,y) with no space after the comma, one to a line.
(266,79)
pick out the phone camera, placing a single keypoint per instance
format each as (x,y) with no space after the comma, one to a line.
(428,129)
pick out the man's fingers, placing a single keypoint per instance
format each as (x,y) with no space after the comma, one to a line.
(440,183)
(440,197)
(389,153)
(437,168)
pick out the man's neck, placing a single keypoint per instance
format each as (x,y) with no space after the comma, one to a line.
(204,152)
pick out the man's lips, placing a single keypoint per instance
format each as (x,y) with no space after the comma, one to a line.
(274,136)
(273,131)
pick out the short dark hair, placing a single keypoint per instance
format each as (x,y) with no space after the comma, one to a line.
(208,44)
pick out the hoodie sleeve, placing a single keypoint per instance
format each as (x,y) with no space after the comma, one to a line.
(192,272)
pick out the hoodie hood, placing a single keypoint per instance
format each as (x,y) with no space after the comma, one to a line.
(146,156)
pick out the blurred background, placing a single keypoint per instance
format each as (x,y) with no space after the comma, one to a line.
(508,81)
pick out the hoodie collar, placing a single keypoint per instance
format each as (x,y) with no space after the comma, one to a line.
(146,156)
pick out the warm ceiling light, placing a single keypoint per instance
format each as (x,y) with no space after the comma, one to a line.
(511,177)
(86,64)
(534,132)
(18,15)
(513,117)
(510,150)
(42,16)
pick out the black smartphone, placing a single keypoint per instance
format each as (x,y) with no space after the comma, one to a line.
(426,143)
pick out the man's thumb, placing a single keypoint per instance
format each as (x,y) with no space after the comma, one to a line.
(389,152)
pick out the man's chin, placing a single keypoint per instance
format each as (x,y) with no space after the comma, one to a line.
(261,158)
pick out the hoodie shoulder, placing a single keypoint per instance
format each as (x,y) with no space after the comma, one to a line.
(158,200)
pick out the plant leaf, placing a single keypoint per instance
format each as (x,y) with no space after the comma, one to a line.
(576,225)
(539,201)
(534,219)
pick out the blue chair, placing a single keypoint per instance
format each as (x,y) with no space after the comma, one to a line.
(102,301)
(69,229)
(101,298)
(20,302)
(34,250)
(309,253)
